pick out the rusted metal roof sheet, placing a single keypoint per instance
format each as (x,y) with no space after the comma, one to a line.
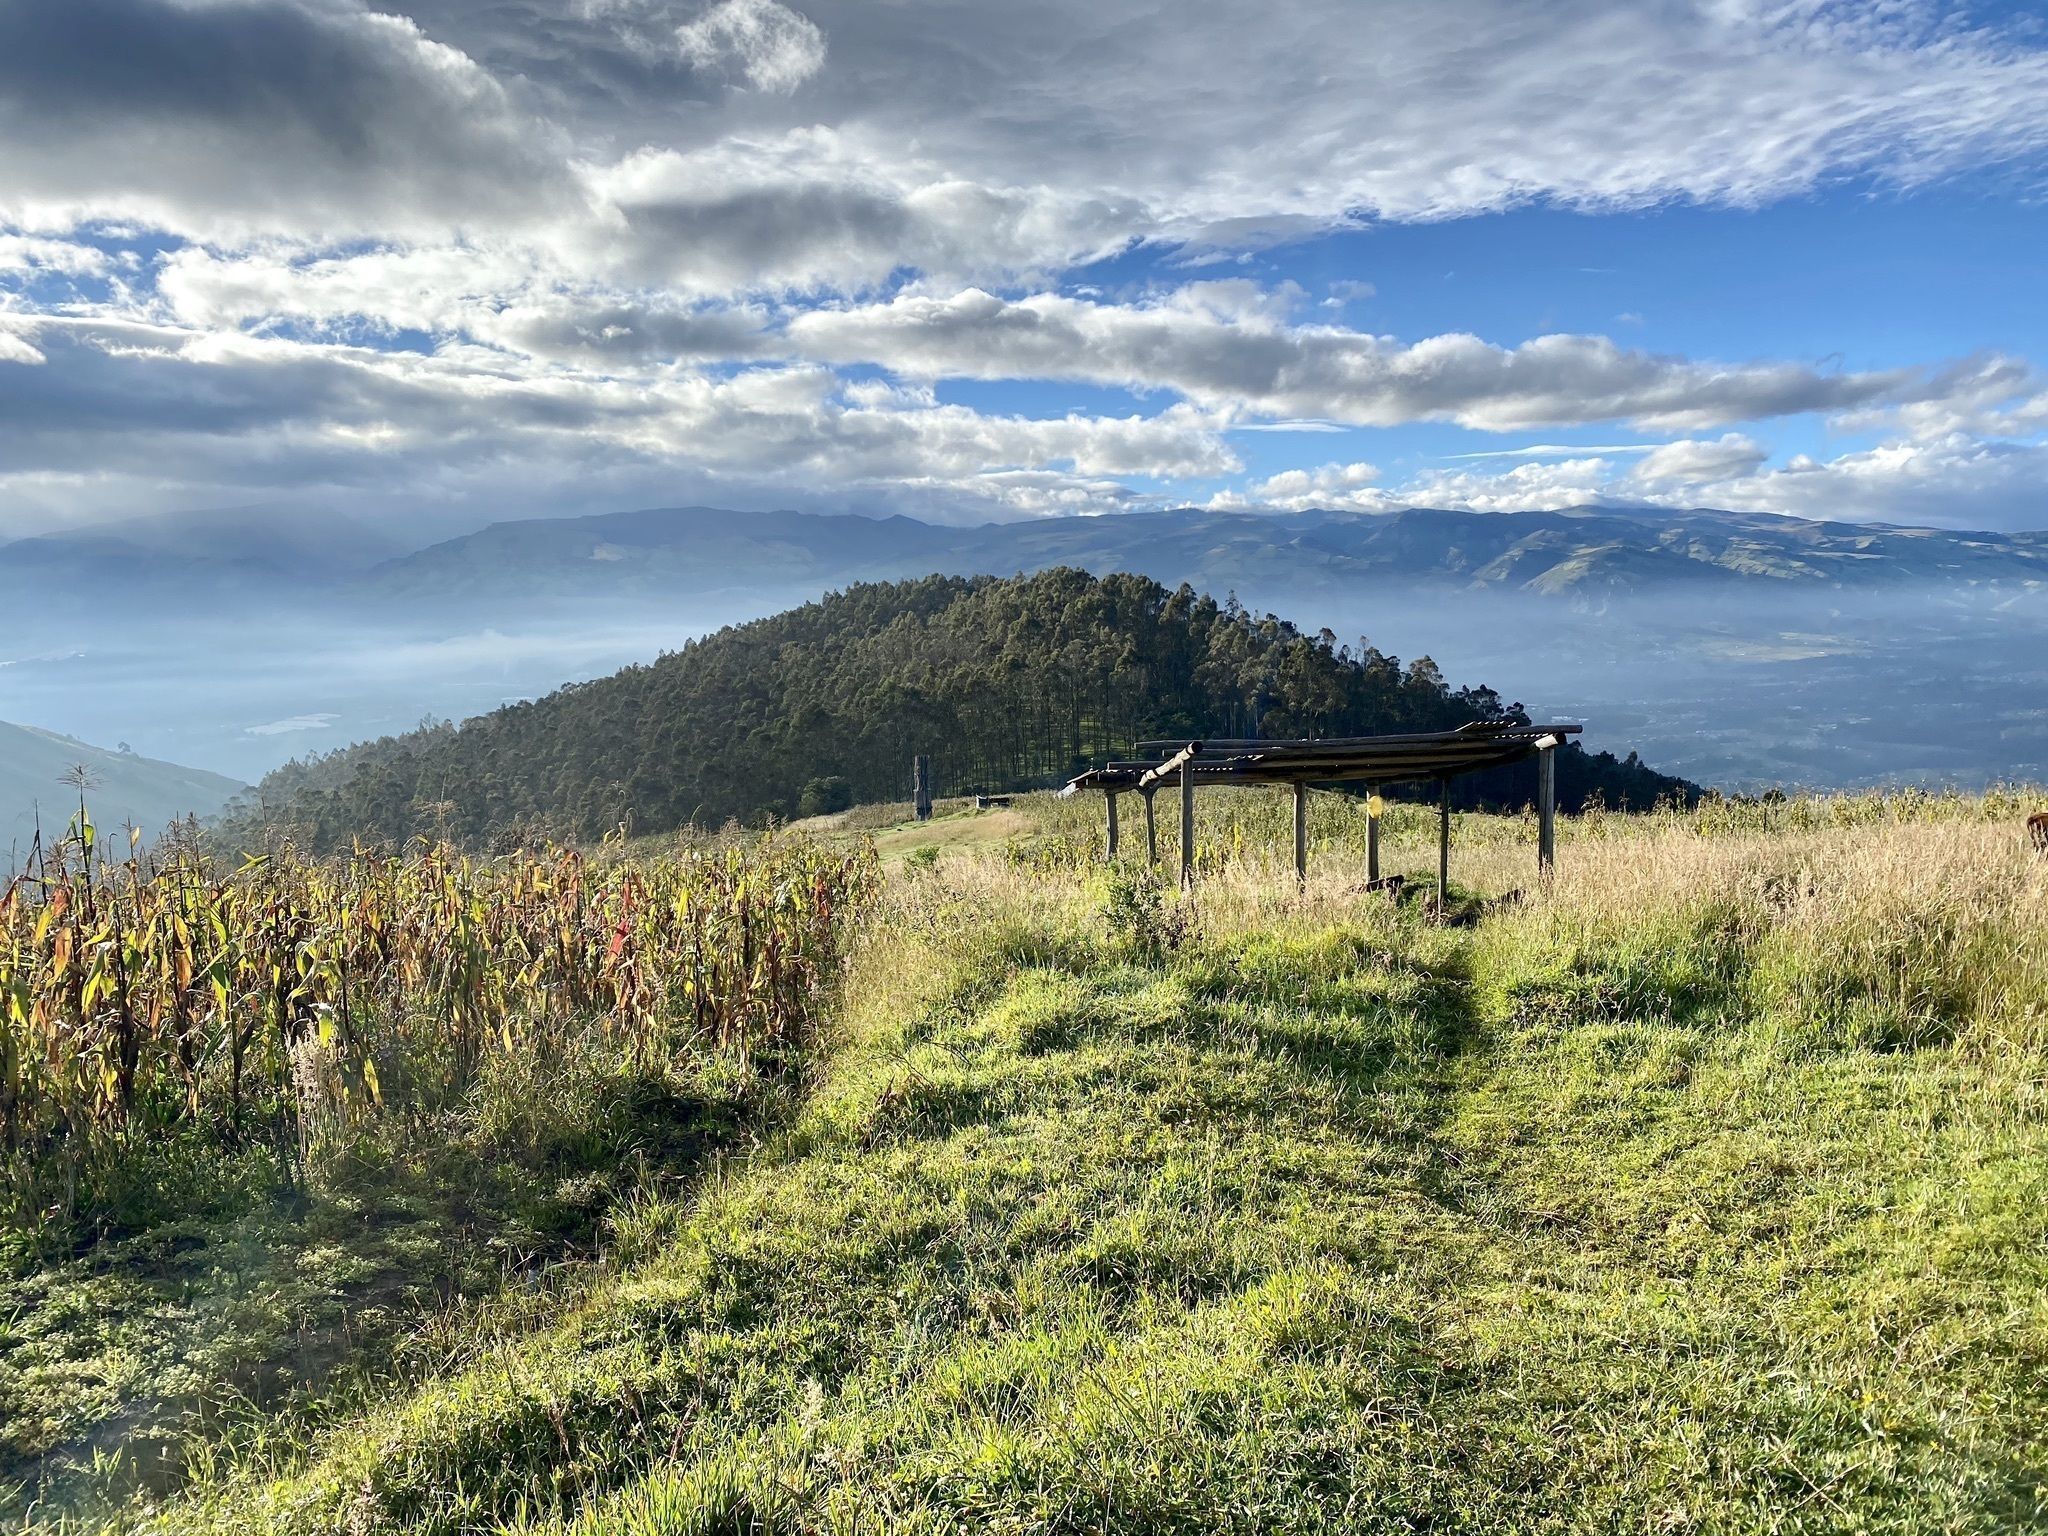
(1389,759)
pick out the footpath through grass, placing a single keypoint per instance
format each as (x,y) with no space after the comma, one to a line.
(1706,1192)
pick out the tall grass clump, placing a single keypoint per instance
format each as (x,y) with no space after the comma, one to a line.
(1880,930)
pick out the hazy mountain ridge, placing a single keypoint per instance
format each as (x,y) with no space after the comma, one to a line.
(268,558)
(1580,553)
(125,788)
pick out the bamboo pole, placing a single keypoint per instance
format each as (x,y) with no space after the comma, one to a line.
(1372,835)
(1187,819)
(1443,852)
(1300,833)
(1546,808)
(1151,832)
(1110,797)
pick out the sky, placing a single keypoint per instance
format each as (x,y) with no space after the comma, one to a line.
(464,259)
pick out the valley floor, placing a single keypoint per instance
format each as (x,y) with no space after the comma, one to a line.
(1706,1191)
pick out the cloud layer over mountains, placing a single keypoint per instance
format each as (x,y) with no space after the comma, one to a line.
(543,254)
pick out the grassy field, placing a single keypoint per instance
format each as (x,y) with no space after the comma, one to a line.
(1705,1189)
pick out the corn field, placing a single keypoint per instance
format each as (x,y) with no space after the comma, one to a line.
(286,996)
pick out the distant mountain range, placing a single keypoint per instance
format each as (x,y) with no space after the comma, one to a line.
(124,788)
(1581,553)
(268,558)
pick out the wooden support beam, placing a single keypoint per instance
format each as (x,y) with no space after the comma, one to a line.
(1546,806)
(1179,761)
(1187,818)
(1372,835)
(1110,796)
(1300,834)
(1443,853)
(1151,831)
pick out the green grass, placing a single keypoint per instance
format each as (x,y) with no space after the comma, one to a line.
(1708,1191)
(956,827)
(226,1307)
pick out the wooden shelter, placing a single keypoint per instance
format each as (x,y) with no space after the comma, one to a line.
(1376,760)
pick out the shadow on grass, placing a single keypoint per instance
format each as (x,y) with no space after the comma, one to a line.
(285,1305)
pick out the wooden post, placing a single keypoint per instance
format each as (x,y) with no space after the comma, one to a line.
(1110,796)
(1187,821)
(921,786)
(1443,854)
(1151,833)
(1372,835)
(1300,833)
(1546,806)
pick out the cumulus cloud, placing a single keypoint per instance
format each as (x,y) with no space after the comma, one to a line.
(1525,488)
(1227,344)
(276,413)
(496,296)
(1956,481)
(1989,394)
(815,210)
(236,118)
(1952,481)
(1691,462)
(1331,485)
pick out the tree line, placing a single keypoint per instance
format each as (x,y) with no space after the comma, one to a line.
(1006,683)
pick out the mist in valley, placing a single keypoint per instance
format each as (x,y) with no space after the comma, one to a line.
(1918,684)
(1915,682)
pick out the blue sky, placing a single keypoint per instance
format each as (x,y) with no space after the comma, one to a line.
(450,261)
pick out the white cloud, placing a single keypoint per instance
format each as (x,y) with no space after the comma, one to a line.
(1227,345)
(1525,488)
(233,119)
(26,253)
(1958,481)
(1558,450)
(270,413)
(1303,424)
(773,47)
(815,209)
(1989,394)
(1331,485)
(1691,462)
(15,347)
(1953,481)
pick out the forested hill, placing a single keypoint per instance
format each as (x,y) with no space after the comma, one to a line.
(1006,683)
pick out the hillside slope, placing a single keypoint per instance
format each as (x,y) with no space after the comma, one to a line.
(1705,1191)
(1005,684)
(126,789)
